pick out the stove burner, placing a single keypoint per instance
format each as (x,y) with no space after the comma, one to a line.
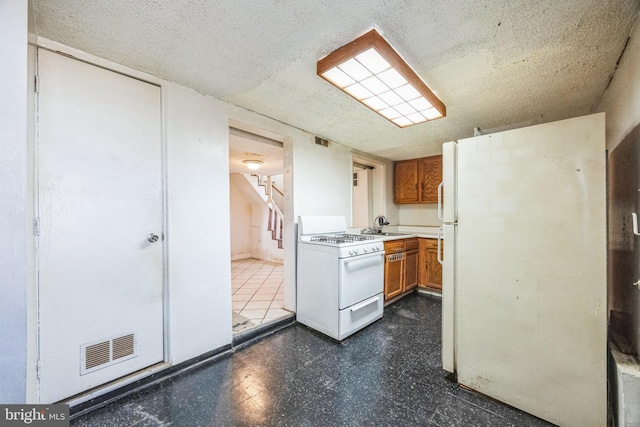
(341,238)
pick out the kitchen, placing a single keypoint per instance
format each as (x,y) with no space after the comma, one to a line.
(195,121)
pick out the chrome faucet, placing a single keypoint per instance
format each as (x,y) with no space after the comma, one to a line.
(379,222)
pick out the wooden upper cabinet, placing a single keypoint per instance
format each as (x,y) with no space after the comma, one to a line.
(417,180)
(405,181)
(430,176)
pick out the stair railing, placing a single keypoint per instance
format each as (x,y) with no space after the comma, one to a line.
(277,220)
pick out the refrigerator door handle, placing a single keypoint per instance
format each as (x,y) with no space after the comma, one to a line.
(440,259)
(634,218)
(440,207)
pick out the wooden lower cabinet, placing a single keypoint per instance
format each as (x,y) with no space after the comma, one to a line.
(393,274)
(411,264)
(400,267)
(429,269)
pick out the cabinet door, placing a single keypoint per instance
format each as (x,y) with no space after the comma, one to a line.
(393,275)
(434,275)
(411,270)
(405,181)
(430,176)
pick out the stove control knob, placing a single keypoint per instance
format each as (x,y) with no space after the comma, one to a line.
(357,251)
(351,252)
(366,249)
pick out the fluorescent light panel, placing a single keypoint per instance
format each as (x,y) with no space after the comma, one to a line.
(372,72)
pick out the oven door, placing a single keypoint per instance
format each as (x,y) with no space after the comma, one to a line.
(360,277)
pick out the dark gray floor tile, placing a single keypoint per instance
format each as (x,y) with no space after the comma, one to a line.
(457,412)
(388,374)
(339,409)
(210,410)
(515,415)
(352,402)
(116,414)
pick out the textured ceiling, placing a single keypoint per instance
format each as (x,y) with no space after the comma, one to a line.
(495,64)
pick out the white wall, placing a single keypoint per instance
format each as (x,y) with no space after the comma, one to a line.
(322,178)
(421,215)
(14,224)
(198,223)
(240,224)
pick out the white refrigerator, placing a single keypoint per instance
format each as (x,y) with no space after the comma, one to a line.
(524,268)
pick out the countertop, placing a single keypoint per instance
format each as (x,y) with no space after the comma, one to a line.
(406,236)
(405,232)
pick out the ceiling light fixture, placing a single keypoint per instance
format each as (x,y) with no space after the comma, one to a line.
(253,164)
(372,72)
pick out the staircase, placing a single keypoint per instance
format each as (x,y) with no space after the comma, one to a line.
(276,218)
(275,225)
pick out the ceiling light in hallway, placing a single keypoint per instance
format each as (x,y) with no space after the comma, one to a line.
(253,164)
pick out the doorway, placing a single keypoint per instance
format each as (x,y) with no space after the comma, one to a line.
(368,183)
(100,226)
(257,202)
(362,195)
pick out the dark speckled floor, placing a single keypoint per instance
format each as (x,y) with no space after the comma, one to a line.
(386,375)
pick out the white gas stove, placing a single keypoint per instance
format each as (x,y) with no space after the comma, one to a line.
(340,277)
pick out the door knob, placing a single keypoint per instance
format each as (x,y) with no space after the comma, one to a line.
(152,238)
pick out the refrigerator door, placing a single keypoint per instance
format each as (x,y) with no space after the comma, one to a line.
(448,261)
(447,206)
(531,309)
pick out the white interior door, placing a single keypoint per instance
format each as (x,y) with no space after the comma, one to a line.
(99,198)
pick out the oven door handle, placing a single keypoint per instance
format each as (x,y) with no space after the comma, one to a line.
(363,261)
(364,304)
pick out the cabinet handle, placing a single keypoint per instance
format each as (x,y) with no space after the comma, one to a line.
(399,256)
(364,304)
(440,208)
(440,256)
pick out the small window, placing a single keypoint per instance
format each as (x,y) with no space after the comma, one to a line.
(355,179)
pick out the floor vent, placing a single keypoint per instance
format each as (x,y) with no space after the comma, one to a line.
(103,353)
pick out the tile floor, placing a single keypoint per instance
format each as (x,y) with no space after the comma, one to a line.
(388,374)
(257,290)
